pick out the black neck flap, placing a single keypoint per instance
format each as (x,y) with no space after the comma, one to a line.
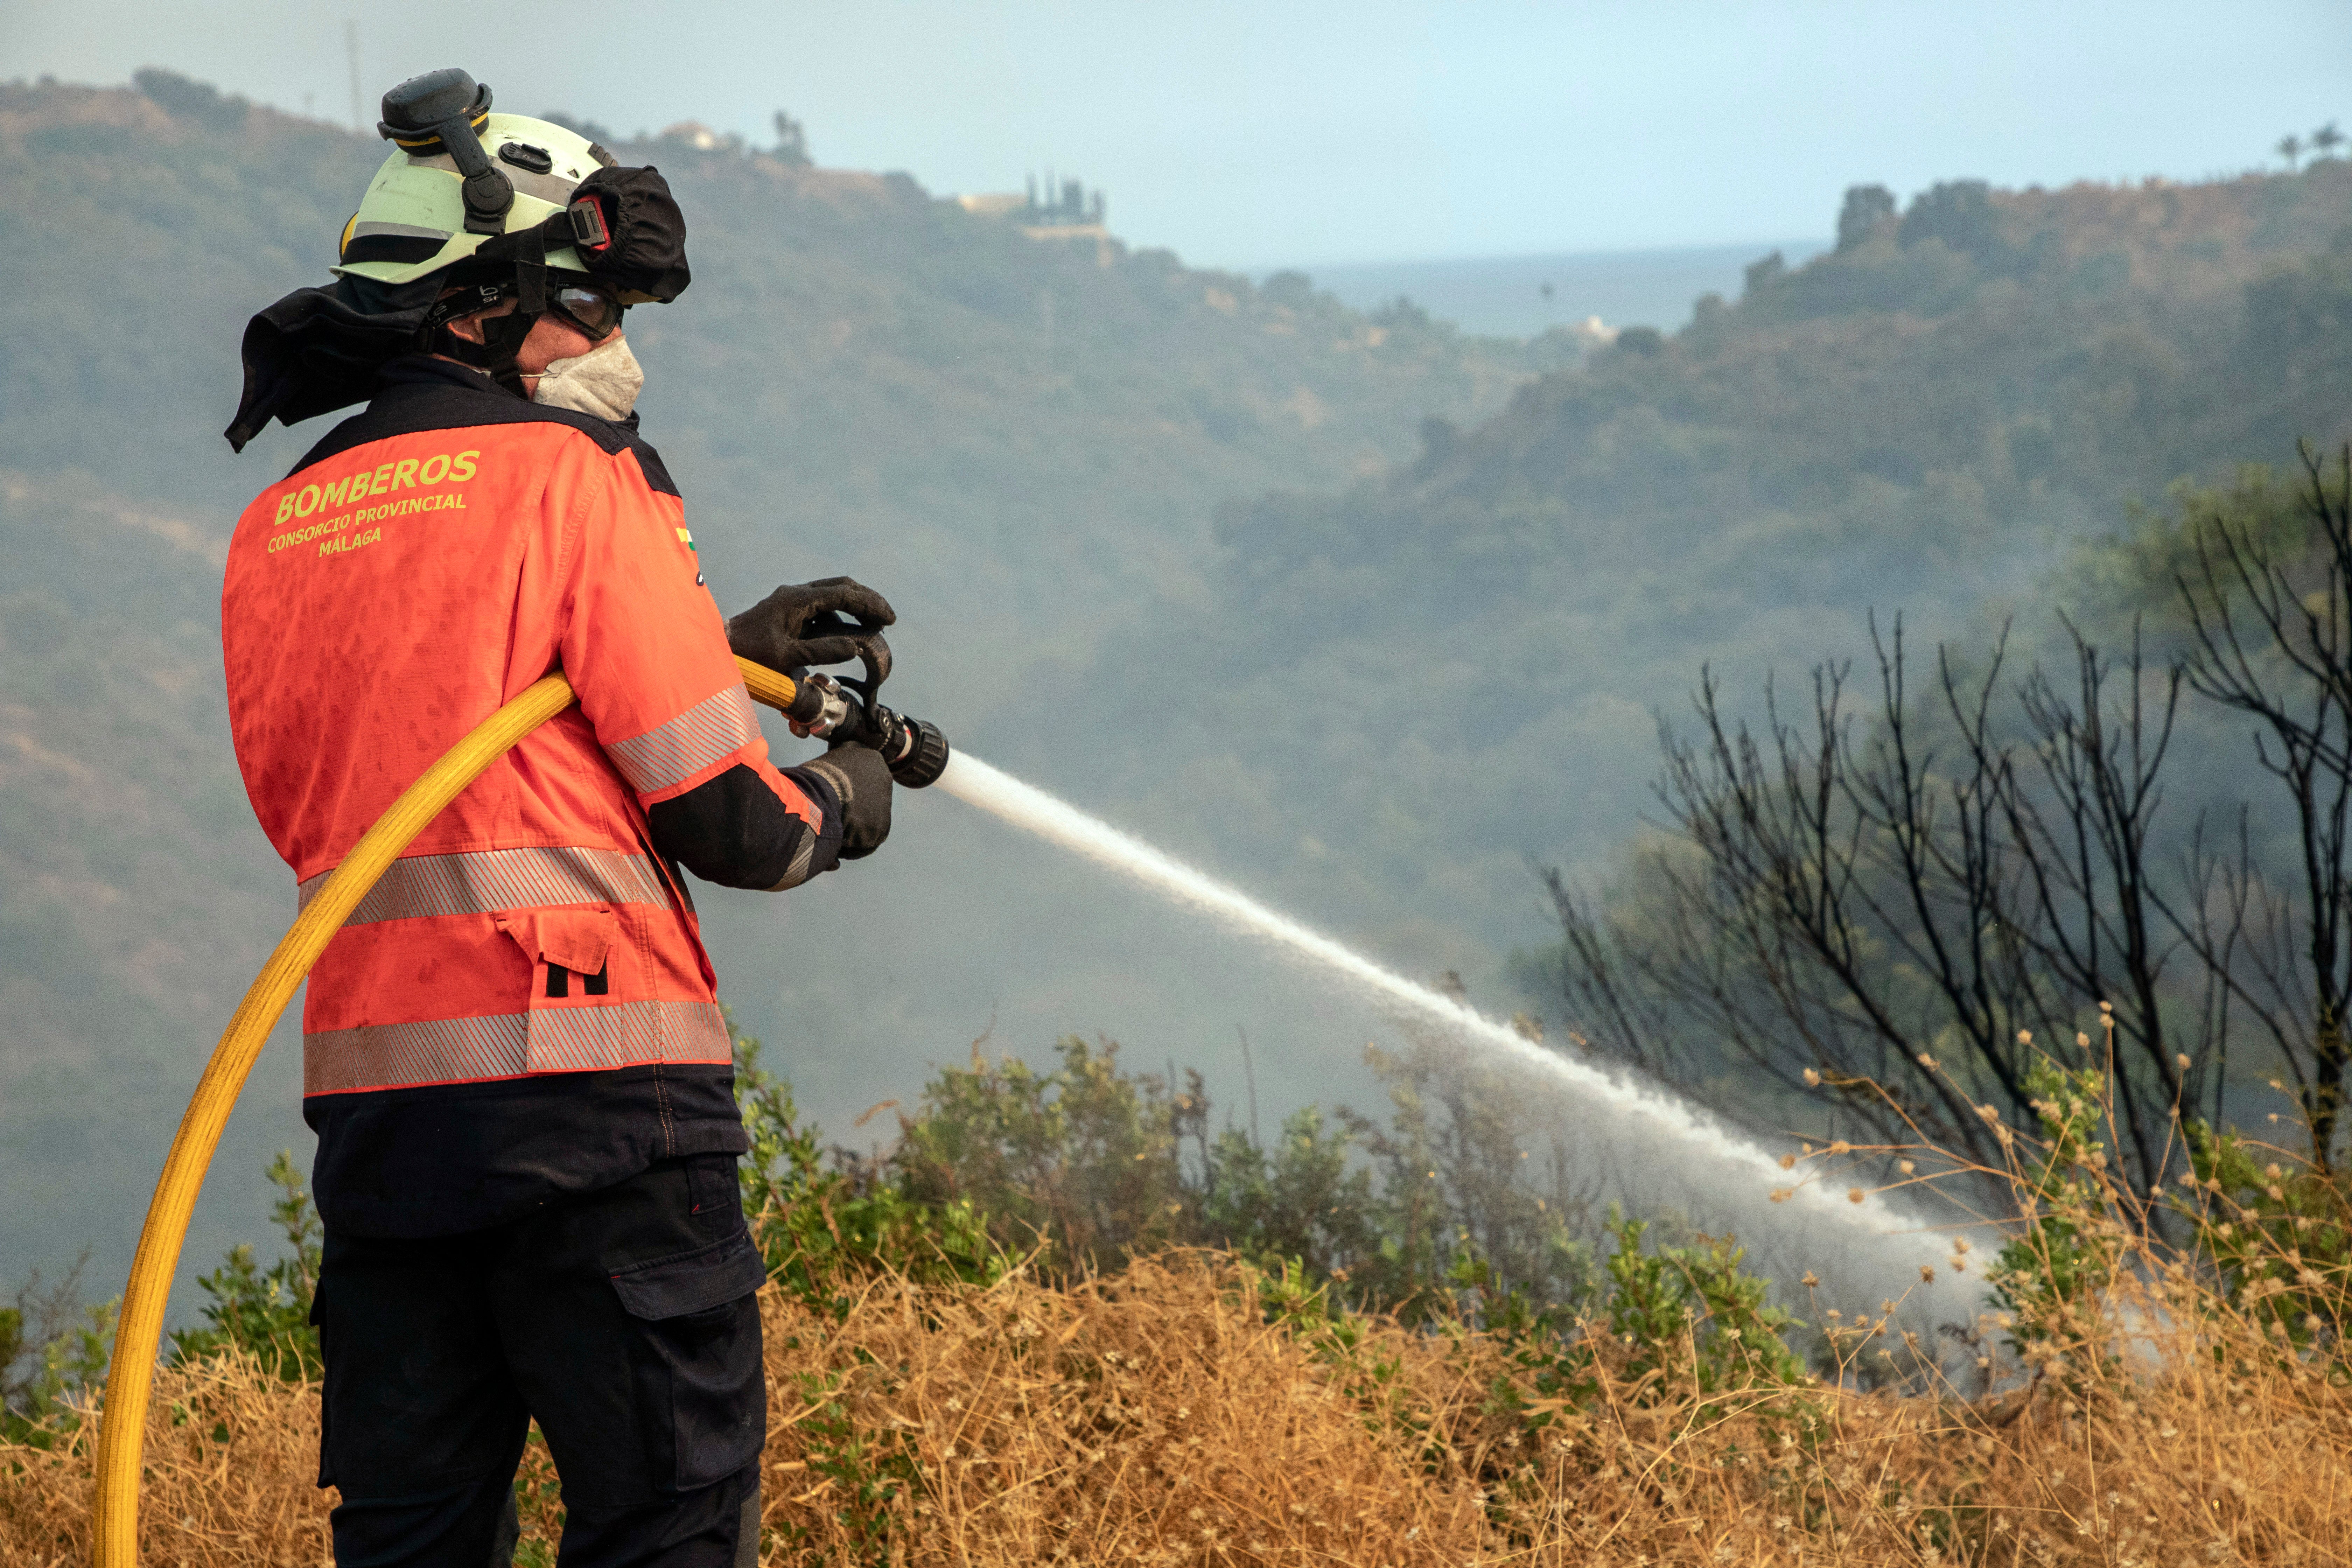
(317,350)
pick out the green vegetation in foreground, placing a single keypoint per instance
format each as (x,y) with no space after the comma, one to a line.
(1076,1171)
(1429,1218)
(1666,1411)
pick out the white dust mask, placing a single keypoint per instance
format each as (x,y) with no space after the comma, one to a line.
(604,382)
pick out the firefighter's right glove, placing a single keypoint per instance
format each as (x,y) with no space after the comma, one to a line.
(861,782)
(830,621)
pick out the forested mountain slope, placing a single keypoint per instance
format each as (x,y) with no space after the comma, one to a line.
(862,378)
(1160,540)
(1453,665)
(136,897)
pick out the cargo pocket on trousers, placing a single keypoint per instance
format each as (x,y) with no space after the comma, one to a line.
(702,1389)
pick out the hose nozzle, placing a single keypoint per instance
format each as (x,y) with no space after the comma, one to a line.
(915,749)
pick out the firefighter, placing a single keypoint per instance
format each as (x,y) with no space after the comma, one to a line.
(513,1054)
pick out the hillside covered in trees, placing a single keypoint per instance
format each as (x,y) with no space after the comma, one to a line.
(1020,441)
(1354,609)
(863,375)
(1455,665)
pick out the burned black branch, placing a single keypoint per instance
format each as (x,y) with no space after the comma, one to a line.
(1906,905)
(2271,637)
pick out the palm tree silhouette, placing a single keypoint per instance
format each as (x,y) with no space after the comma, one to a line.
(2290,147)
(2325,140)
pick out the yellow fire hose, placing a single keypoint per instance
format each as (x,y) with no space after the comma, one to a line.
(122,1428)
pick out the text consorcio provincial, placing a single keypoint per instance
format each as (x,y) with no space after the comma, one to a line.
(448,501)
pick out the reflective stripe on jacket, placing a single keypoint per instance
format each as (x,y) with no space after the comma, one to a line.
(383,600)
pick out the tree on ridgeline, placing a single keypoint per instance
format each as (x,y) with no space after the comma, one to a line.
(1866,207)
(792,141)
(2325,140)
(1959,214)
(2289,147)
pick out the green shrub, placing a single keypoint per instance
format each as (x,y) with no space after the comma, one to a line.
(1080,1165)
(2279,1233)
(266,1311)
(1305,1199)
(824,1225)
(1471,1177)
(2071,1233)
(53,1351)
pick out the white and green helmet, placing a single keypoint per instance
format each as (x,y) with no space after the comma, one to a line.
(470,207)
(412,221)
(464,186)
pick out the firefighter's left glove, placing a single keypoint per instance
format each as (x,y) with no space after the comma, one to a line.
(860,780)
(830,621)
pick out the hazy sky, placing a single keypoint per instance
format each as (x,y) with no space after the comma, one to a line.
(1262,133)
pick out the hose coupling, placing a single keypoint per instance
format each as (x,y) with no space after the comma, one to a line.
(821,705)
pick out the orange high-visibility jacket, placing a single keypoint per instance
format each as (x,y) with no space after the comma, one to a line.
(383,599)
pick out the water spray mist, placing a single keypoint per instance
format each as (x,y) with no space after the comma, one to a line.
(1739,1175)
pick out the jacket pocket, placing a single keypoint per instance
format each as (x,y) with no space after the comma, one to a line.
(569,1023)
(701,1388)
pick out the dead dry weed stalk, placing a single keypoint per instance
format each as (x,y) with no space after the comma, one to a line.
(1166,1415)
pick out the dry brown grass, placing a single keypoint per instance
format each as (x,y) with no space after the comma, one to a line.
(232,1454)
(1158,1417)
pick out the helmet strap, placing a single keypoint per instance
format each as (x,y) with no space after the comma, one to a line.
(530,272)
(502,336)
(502,339)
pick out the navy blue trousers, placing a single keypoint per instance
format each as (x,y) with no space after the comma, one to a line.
(622,1320)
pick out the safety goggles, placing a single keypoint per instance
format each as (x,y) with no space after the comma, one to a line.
(595,310)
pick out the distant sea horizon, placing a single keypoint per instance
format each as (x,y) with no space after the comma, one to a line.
(1504,295)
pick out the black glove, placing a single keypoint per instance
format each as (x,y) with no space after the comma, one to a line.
(861,781)
(830,621)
